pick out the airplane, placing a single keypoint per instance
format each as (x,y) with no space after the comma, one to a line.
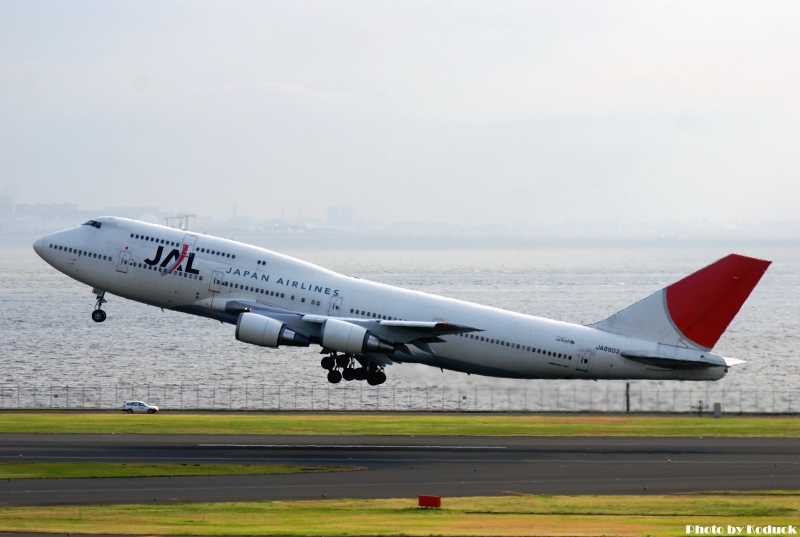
(363,327)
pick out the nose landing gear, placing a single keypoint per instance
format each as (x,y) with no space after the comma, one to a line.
(98,315)
(342,366)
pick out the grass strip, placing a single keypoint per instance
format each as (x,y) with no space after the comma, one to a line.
(402,424)
(489,516)
(62,470)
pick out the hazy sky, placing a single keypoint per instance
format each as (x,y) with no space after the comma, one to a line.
(451,111)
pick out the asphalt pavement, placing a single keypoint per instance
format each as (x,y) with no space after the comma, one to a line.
(402,466)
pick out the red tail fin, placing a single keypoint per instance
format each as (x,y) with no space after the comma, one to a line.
(695,311)
(703,304)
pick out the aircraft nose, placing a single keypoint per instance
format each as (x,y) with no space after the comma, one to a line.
(38,246)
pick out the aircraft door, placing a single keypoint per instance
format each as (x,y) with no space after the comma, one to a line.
(122,263)
(216,281)
(584,356)
(333,309)
(189,240)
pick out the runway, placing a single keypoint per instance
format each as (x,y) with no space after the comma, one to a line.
(403,466)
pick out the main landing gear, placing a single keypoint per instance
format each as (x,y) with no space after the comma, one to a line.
(98,315)
(347,367)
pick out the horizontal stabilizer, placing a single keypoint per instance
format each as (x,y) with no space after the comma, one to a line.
(695,311)
(669,363)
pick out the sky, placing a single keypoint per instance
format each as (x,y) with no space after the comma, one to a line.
(435,111)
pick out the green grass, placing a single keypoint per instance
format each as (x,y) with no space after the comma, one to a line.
(50,470)
(509,515)
(402,424)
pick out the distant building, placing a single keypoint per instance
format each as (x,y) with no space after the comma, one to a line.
(66,211)
(340,217)
(6,206)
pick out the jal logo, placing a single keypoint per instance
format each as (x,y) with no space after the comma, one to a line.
(178,256)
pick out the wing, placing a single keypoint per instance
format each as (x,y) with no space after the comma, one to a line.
(419,334)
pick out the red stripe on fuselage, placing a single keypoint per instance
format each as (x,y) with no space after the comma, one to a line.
(184,251)
(703,304)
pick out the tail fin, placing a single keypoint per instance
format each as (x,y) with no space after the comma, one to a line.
(695,311)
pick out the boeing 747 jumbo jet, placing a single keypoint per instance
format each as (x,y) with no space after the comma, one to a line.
(362,327)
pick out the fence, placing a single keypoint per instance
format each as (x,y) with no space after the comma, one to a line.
(575,397)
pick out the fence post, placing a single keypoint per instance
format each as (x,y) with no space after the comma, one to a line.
(394,391)
(627,397)
(541,396)
(198,397)
(148,393)
(34,396)
(558,399)
(230,396)
(67,396)
(312,398)
(18,398)
(165,396)
(279,396)
(508,396)
(329,396)
(51,396)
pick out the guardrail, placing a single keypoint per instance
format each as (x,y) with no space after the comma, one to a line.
(575,397)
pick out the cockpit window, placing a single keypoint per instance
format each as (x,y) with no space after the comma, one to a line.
(93,224)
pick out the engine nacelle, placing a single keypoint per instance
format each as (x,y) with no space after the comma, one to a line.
(350,338)
(267,332)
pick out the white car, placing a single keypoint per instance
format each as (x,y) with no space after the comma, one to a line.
(137,406)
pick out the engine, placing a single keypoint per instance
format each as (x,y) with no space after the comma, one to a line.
(267,332)
(349,338)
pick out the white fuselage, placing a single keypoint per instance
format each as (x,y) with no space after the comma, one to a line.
(122,258)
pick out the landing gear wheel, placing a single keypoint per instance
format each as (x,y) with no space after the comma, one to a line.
(360,373)
(98,316)
(342,360)
(349,374)
(328,363)
(334,377)
(376,378)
